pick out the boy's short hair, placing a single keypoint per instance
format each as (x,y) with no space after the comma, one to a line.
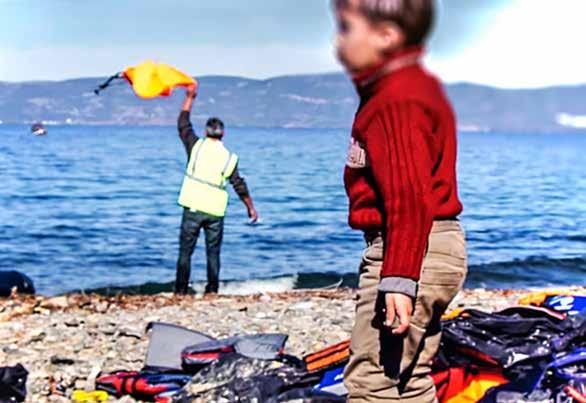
(414,17)
(214,127)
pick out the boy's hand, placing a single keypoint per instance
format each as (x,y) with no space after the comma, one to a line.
(398,306)
(191,90)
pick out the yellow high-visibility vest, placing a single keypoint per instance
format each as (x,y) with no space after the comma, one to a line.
(204,185)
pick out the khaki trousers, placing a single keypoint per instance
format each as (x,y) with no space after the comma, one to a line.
(384,367)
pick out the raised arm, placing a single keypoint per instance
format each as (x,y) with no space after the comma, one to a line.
(186,133)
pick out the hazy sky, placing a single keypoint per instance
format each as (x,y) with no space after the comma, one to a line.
(507,43)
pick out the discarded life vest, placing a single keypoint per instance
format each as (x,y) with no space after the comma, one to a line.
(13,383)
(328,358)
(499,339)
(540,352)
(10,280)
(235,378)
(141,385)
(567,304)
(329,364)
(166,342)
(151,80)
(557,300)
(470,384)
(561,380)
(239,368)
(333,382)
(261,346)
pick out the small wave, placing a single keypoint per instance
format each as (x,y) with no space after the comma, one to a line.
(230,287)
(244,287)
(532,272)
(326,280)
(295,224)
(58,197)
(536,271)
(538,262)
(577,238)
(248,287)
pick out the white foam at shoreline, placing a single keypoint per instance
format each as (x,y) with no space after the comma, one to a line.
(248,287)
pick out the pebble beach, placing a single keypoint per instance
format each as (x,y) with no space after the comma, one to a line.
(66,341)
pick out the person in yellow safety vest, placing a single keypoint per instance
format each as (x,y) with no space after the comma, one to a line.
(203,195)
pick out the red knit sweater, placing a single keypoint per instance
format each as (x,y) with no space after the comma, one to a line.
(401,170)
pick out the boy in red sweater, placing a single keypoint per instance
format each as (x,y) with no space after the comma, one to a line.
(400,178)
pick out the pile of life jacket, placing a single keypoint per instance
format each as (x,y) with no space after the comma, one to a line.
(184,365)
(534,352)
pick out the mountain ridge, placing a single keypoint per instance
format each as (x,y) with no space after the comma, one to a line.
(325,100)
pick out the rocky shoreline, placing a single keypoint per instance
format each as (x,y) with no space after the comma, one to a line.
(65,341)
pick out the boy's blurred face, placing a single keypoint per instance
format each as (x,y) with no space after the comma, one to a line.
(361,44)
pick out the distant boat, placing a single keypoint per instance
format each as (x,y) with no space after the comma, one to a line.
(38,129)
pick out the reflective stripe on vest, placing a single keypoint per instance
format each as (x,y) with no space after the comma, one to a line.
(204,185)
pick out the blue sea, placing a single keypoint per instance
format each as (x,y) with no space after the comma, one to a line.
(95,207)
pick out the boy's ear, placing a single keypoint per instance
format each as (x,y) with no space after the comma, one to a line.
(390,37)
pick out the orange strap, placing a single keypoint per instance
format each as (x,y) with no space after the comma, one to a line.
(328,356)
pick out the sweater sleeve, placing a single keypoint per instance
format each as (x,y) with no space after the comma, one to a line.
(399,143)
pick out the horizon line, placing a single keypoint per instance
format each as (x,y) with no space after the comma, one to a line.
(330,73)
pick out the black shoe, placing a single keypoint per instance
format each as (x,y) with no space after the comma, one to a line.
(182,289)
(211,290)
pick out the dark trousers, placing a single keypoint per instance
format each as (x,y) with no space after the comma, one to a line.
(191,224)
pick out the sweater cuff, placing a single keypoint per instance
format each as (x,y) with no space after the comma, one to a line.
(399,285)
